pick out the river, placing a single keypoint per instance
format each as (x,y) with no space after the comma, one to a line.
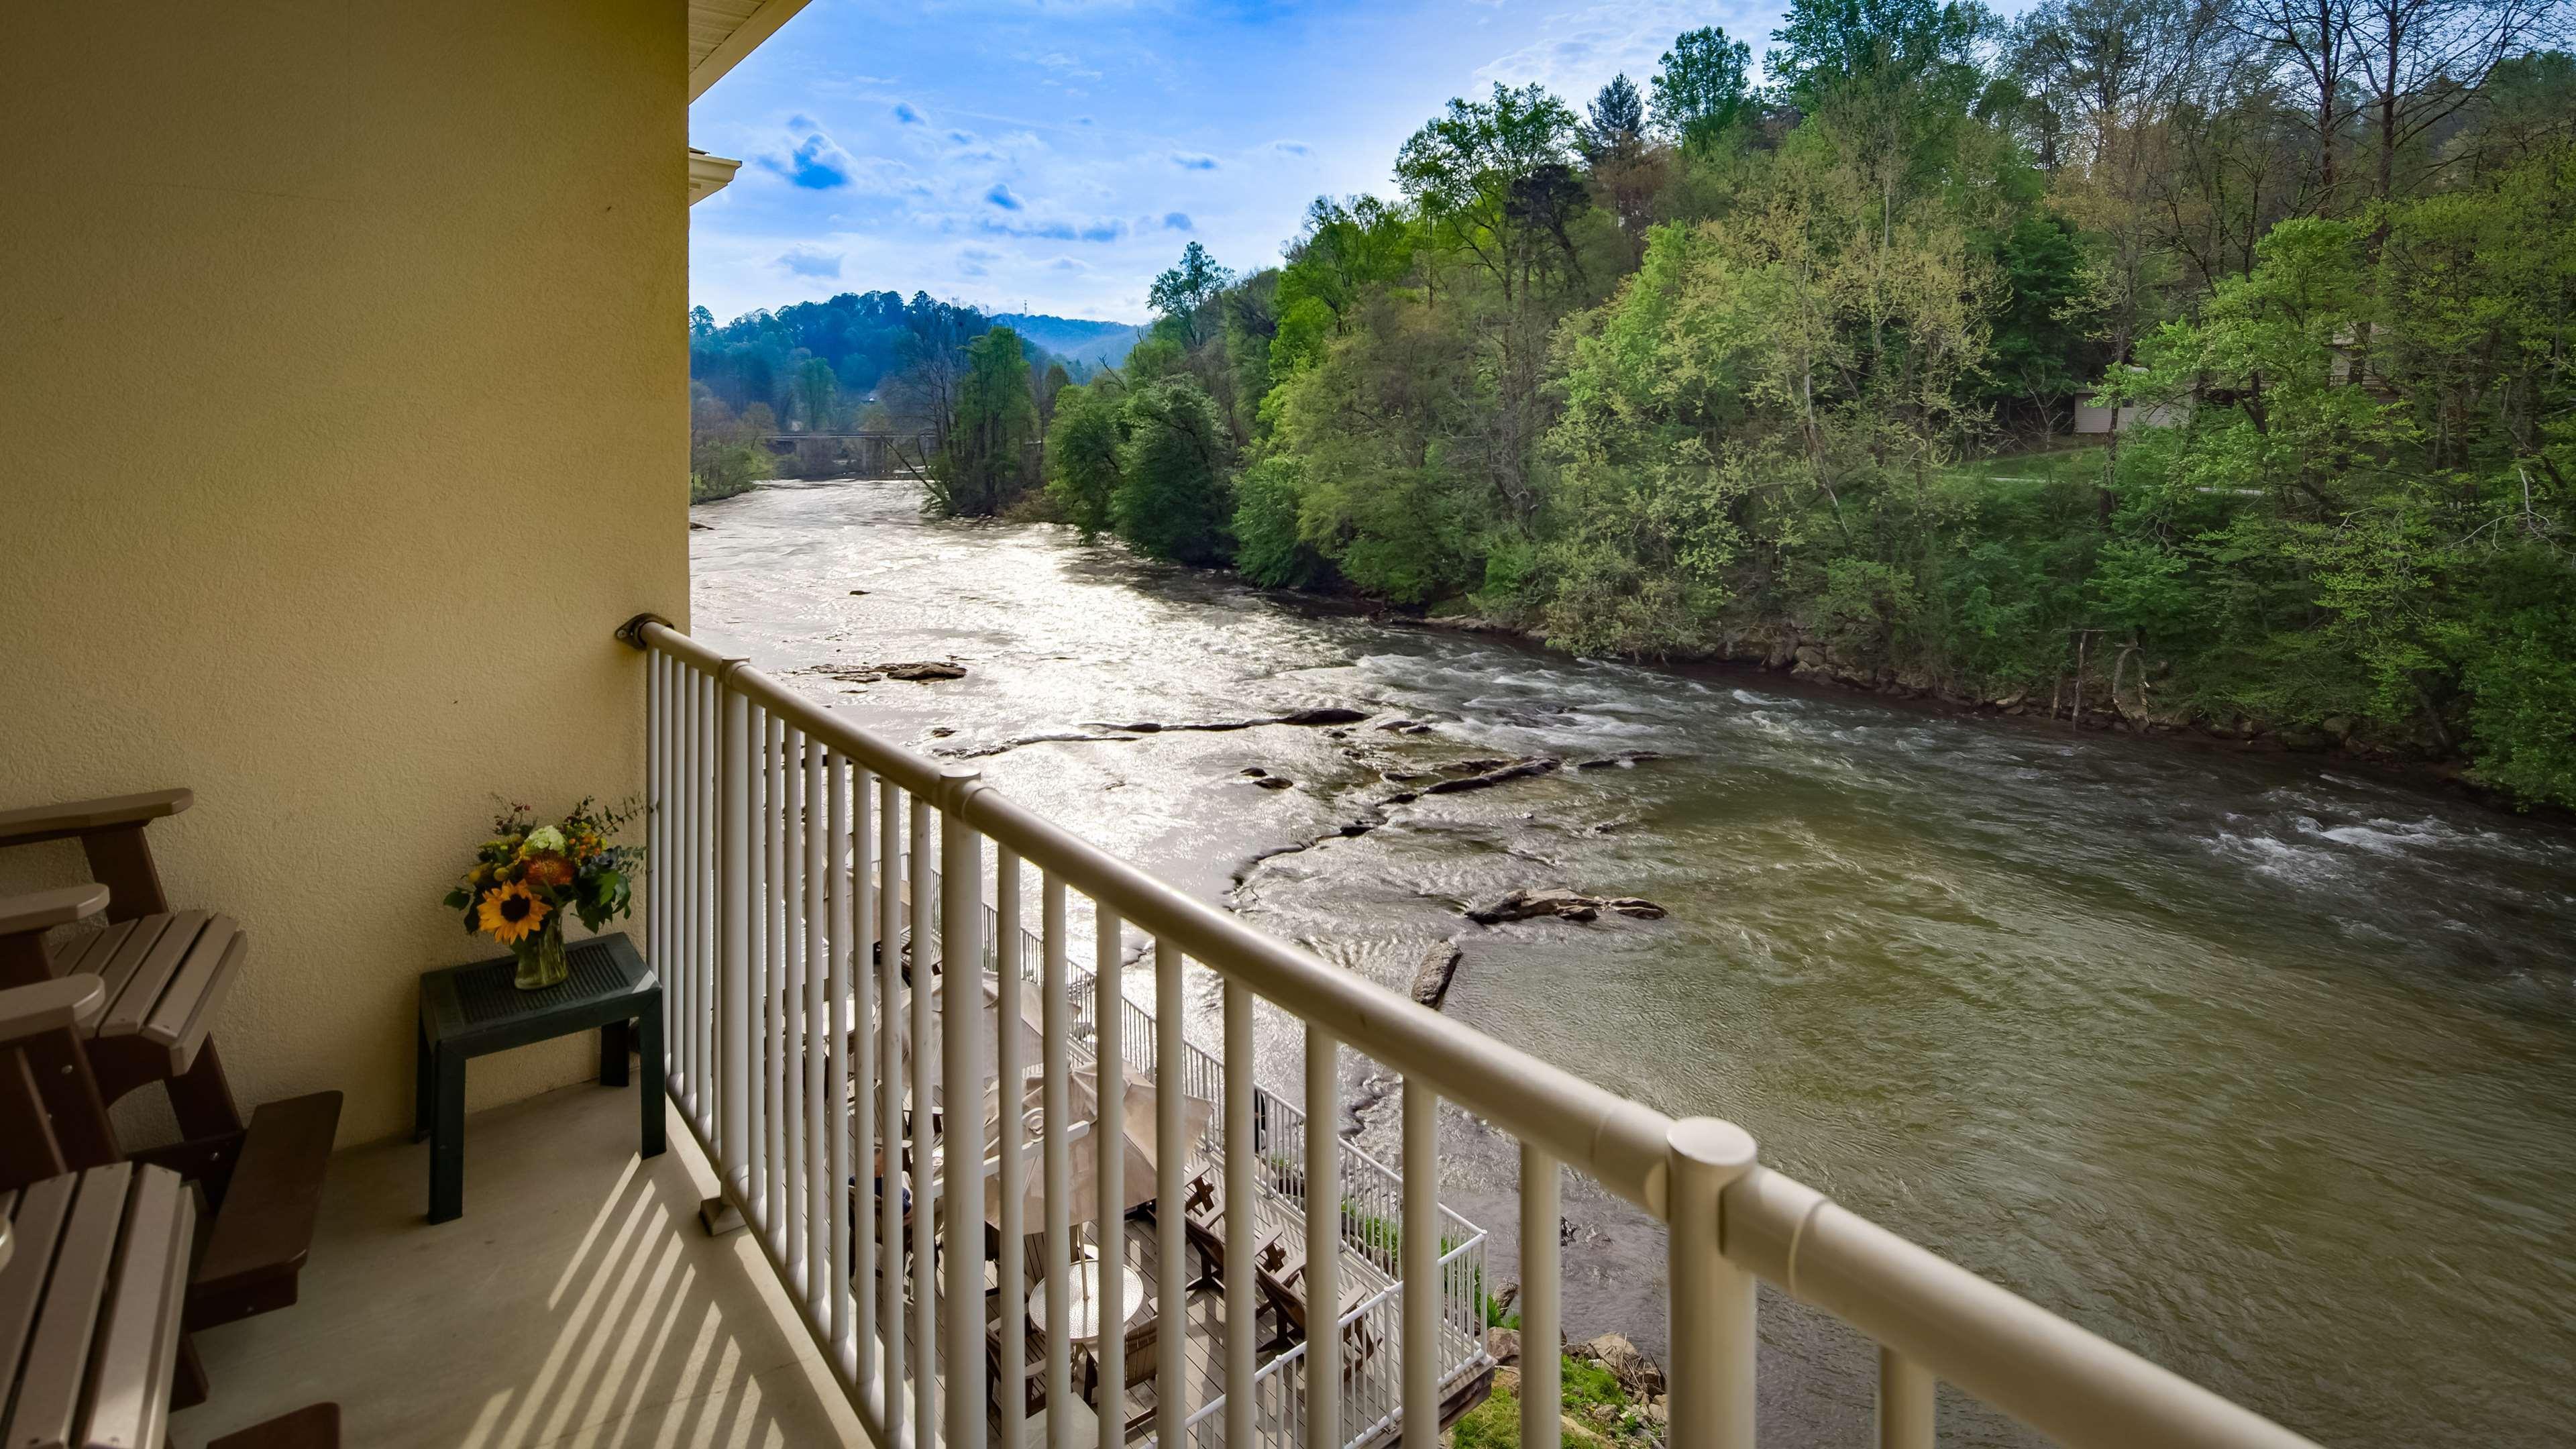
(2265,1068)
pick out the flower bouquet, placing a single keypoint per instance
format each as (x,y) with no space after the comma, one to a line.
(527,875)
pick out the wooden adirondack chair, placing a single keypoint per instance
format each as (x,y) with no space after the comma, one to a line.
(163,974)
(92,1338)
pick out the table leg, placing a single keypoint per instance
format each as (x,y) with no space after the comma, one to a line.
(424,1084)
(649,1047)
(613,1040)
(447,1140)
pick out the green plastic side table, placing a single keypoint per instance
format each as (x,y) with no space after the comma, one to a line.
(468,1011)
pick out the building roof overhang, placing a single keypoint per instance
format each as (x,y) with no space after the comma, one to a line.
(708,174)
(722,32)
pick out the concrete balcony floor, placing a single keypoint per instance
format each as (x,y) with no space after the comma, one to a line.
(577,1302)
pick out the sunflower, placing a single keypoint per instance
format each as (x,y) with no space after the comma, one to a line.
(549,869)
(512,914)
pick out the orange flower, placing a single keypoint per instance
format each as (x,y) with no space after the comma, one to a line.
(512,914)
(549,869)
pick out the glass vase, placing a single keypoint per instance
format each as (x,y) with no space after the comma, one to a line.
(541,958)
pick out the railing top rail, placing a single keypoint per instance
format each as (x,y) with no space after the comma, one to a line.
(2063,1380)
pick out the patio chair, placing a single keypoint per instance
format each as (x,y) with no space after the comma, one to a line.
(161,975)
(1286,1291)
(92,1332)
(167,973)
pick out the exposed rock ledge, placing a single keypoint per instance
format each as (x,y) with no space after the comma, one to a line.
(1565,905)
(918,670)
(1322,715)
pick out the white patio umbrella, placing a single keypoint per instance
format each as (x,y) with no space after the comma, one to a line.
(1029,1024)
(1136,1128)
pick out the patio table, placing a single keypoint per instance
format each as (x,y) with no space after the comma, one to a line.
(470,1011)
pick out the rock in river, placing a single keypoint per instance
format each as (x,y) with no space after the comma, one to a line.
(1439,966)
(1517,769)
(1565,905)
(923,670)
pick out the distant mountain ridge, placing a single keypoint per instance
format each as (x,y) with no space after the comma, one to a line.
(1073,338)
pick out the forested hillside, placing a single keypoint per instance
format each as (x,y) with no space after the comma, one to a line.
(1787,372)
(863,361)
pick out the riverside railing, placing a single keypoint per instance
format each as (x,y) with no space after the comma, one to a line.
(781,839)
(1371,1202)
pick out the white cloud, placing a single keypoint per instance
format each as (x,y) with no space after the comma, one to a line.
(811,261)
(1578,50)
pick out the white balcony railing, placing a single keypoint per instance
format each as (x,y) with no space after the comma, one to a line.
(787,845)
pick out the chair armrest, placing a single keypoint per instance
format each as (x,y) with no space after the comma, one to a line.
(66,1001)
(79,817)
(44,910)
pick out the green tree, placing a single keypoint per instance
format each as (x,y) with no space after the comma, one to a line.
(1270,549)
(1704,87)
(1184,291)
(1083,445)
(817,395)
(1615,123)
(980,471)
(1823,48)
(1172,500)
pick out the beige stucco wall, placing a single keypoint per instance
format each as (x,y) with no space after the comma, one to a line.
(344,384)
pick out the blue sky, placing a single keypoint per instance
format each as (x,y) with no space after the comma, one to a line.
(1052,155)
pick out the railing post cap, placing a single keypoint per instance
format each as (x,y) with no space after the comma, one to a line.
(1711,1142)
(956,782)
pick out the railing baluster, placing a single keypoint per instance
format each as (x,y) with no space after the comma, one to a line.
(856,1025)
(1171,1238)
(1906,1402)
(681,860)
(796,886)
(1542,1391)
(1010,1079)
(1323,1239)
(1109,1125)
(773,957)
(1421,1254)
(821,871)
(734,1024)
(1242,1305)
(925,1287)
(660,879)
(1055,1116)
(891,1179)
(961,953)
(702,945)
(834,1087)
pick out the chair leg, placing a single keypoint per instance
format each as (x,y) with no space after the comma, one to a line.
(188,1377)
(202,1099)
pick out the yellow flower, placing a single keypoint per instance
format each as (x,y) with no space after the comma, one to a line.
(512,914)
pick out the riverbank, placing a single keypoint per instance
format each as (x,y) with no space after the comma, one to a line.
(1781,651)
